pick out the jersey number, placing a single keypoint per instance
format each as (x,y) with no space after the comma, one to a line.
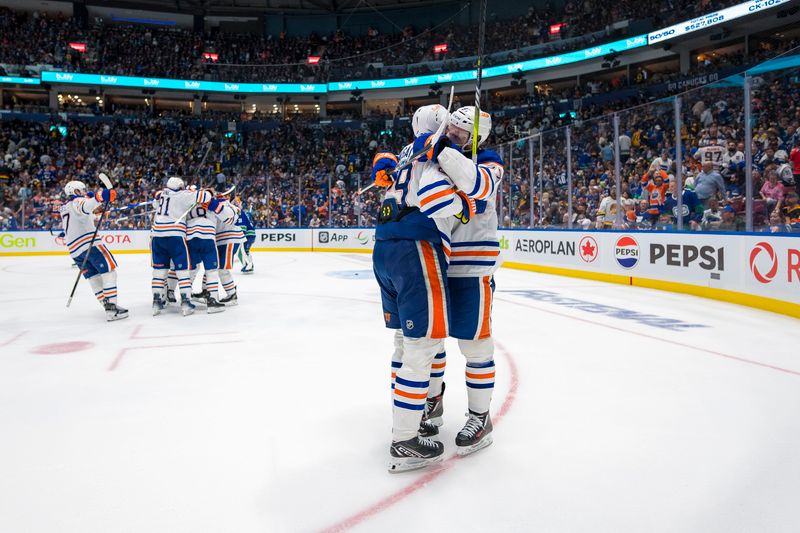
(163,206)
(65,217)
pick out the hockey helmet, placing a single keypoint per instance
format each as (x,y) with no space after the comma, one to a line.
(75,188)
(427,119)
(464,119)
(175,184)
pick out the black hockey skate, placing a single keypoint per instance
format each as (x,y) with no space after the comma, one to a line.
(230,300)
(171,297)
(158,304)
(114,312)
(214,306)
(427,429)
(187,307)
(247,270)
(202,296)
(434,409)
(414,453)
(475,435)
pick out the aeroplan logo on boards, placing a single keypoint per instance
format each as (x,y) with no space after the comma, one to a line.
(765,263)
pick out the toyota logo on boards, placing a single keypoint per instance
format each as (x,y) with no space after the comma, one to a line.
(763,262)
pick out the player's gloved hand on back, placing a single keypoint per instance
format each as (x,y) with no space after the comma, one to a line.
(440,145)
(468,207)
(204,197)
(106,195)
(382,166)
(214,205)
(423,141)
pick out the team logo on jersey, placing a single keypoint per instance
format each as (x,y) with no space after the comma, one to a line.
(588,249)
(769,267)
(626,252)
(409,325)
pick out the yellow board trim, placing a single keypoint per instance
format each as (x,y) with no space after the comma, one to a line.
(570,272)
(749,300)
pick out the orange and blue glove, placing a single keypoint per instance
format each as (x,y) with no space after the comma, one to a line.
(106,195)
(468,208)
(383,164)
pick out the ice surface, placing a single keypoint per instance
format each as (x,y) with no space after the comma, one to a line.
(634,410)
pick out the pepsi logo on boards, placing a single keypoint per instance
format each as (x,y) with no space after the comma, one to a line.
(626,252)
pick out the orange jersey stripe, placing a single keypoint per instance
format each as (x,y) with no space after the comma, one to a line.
(429,199)
(412,395)
(486,323)
(480,376)
(437,366)
(439,326)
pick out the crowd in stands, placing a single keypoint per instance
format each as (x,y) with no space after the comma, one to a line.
(298,175)
(139,50)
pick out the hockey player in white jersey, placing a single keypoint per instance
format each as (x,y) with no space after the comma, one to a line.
(168,242)
(473,260)
(229,237)
(77,221)
(201,234)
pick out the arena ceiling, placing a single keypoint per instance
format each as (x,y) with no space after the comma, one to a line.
(256,7)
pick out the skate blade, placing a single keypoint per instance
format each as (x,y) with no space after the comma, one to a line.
(247,272)
(212,310)
(405,464)
(112,318)
(231,303)
(468,450)
(187,312)
(156,311)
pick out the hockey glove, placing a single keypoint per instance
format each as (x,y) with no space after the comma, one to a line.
(421,142)
(382,166)
(468,208)
(204,198)
(106,195)
(440,145)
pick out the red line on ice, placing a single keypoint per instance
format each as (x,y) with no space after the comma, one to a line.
(648,336)
(15,337)
(118,359)
(135,334)
(434,472)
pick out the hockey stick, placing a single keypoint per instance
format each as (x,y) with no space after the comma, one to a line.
(107,183)
(477,119)
(131,206)
(120,219)
(422,151)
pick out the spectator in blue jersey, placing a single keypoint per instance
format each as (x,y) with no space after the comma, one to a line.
(692,207)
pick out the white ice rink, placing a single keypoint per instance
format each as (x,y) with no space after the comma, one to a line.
(617,409)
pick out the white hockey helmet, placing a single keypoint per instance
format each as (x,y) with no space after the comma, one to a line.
(464,118)
(427,119)
(75,188)
(175,184)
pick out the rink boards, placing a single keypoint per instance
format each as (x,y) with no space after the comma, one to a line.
(758,270)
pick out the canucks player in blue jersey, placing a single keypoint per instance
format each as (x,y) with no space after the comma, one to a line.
(249,230)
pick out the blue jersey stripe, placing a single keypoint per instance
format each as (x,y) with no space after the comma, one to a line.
(487,364)
(407,383)
(438,207)
(480,385)
(472,263)
(410,406)
(396,364)
(437,374)
(427,188)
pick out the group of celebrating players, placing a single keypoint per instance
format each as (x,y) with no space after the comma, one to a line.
(191,227)
(435,255)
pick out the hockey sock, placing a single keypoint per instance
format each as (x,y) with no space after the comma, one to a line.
(411,386)
(397,355)
(437,374)
(479,373)
(159,283)
(192,275)
(96,283)
(110,286)
(184,284)
(212,277)
(172,280)
(228,284)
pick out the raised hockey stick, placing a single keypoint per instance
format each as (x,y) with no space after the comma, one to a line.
(477,119)
(422,151)
(131,206)
(108,185)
